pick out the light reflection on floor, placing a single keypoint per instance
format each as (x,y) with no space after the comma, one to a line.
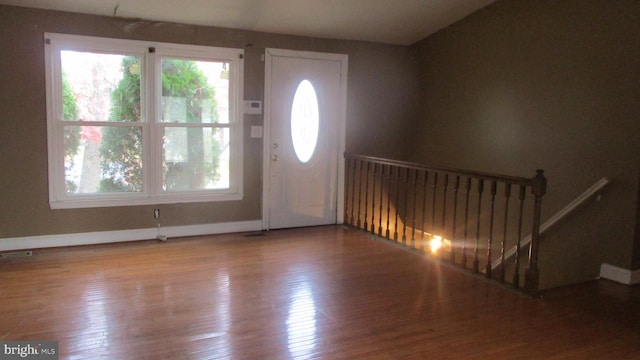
(222,302)
(301,322)
(95,332)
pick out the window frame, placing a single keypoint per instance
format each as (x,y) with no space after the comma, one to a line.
(151,55)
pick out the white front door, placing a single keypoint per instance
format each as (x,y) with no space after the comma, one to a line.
(305,110)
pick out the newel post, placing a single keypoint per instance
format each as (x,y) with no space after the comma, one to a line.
(532,274)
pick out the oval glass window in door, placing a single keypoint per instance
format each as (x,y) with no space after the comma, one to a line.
(305,121)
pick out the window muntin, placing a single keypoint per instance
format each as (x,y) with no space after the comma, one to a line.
(110,143)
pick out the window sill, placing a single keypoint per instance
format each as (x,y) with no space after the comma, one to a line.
(143,200)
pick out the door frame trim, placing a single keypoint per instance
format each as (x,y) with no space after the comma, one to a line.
(270,53)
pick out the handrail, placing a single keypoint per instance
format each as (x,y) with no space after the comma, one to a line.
(448,170)
(557,217)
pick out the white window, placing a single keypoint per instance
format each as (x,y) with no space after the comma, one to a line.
(135,122)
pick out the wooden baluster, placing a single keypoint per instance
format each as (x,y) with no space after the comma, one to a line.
(415,200)
(516,275)
(359,192)
(347,164)
(454,222)
(366,198)
(433,204)
(389,200)
(405,218)
(476,261)
(425,180)
(503,244)
(491,216)
(353,191)
(466,223)
(443,230)
(532,275)
(381,195)
(397,181)
(373,201)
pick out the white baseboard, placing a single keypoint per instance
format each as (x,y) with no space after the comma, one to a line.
(623,276)
(101,237)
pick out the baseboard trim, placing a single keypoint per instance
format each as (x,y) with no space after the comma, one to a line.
(102,237)
(620,275)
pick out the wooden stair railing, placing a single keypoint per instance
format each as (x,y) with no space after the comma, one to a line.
(593,190)
(464,217)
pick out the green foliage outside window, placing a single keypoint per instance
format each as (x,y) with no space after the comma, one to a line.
(71,134)
(120,150)
(121,147)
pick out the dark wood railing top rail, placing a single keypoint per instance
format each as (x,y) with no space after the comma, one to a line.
(516,180)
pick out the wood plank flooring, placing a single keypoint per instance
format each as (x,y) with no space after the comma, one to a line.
(323,292)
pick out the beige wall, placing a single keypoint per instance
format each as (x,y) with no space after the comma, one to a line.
(549,84)
(378,94)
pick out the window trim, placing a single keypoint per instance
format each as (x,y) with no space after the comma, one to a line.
(151,125)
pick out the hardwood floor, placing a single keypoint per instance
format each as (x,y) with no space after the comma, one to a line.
(324,292)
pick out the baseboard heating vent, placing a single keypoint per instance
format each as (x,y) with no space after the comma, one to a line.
(15,254)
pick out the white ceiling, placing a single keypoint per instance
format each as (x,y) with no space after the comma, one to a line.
(400,22)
